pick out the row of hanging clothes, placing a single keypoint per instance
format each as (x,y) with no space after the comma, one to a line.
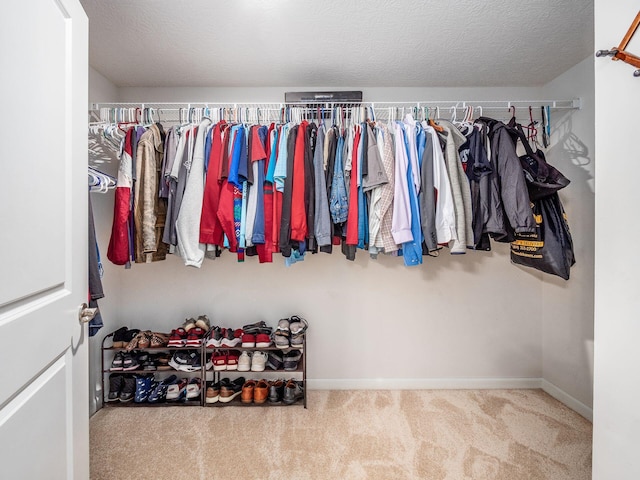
(317,181)
(99,182)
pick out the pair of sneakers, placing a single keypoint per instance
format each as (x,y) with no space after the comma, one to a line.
(183,390)
(123,361)
(290,332)
(252,361)
(224,360)
(186,361)
(224,337)
(192,338)
(158,390)
(230,389)
(256,340)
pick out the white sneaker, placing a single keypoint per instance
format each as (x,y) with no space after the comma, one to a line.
(259,361)
(244,362)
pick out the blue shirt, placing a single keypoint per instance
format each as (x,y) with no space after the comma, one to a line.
(412,251)
(272,157)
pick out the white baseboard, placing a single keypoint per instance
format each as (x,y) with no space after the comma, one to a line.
(451,384)
(421,383)
(571,402)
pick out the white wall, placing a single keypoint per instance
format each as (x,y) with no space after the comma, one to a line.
(567,307)
(616,435)
(276,94)
(372,322)
(100,88)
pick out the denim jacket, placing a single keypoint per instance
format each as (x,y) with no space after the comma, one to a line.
(338,203)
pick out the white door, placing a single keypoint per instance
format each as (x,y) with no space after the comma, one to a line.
(43,240)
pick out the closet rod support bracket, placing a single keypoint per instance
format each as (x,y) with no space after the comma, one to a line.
(607,53)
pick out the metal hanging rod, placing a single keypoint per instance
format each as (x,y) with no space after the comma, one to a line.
(572,104)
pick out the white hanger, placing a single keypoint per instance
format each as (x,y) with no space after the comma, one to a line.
(100,182)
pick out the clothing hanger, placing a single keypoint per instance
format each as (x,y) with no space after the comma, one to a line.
(466,126)
(532,131)
(545,126)
(99,181)
(433,124)
(132,118)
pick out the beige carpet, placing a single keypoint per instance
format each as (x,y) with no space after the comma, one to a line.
(412,434)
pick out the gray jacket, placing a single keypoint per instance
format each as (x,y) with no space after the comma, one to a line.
(459,188)
(510,207)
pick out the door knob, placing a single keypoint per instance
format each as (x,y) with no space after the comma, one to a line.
(86,314)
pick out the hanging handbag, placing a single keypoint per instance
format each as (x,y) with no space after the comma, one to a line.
(542,179)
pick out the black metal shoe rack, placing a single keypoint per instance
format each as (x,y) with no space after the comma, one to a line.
(205,375)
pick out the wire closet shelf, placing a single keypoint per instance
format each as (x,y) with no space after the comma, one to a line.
(257,112)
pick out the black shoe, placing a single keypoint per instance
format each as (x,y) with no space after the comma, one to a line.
(129,389)
(129,335)
(118,338)
(150,363)
(130,362)
(186,361)
(275,360)
(230,389)
(291,360)
(276,390)
(254,327)
(116,382)
(293,392)
(118,362)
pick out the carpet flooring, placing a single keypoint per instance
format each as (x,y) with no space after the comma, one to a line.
(350,435)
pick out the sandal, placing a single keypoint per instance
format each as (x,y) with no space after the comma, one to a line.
(133,344)
(283,327)
(203,323)
(298,326)
(281,341)
(158,340)
(281,335)
(188,324)
(145,339)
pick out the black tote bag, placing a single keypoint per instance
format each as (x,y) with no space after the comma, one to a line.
(550,248)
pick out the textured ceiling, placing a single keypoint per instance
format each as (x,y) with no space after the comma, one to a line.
(337,43)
